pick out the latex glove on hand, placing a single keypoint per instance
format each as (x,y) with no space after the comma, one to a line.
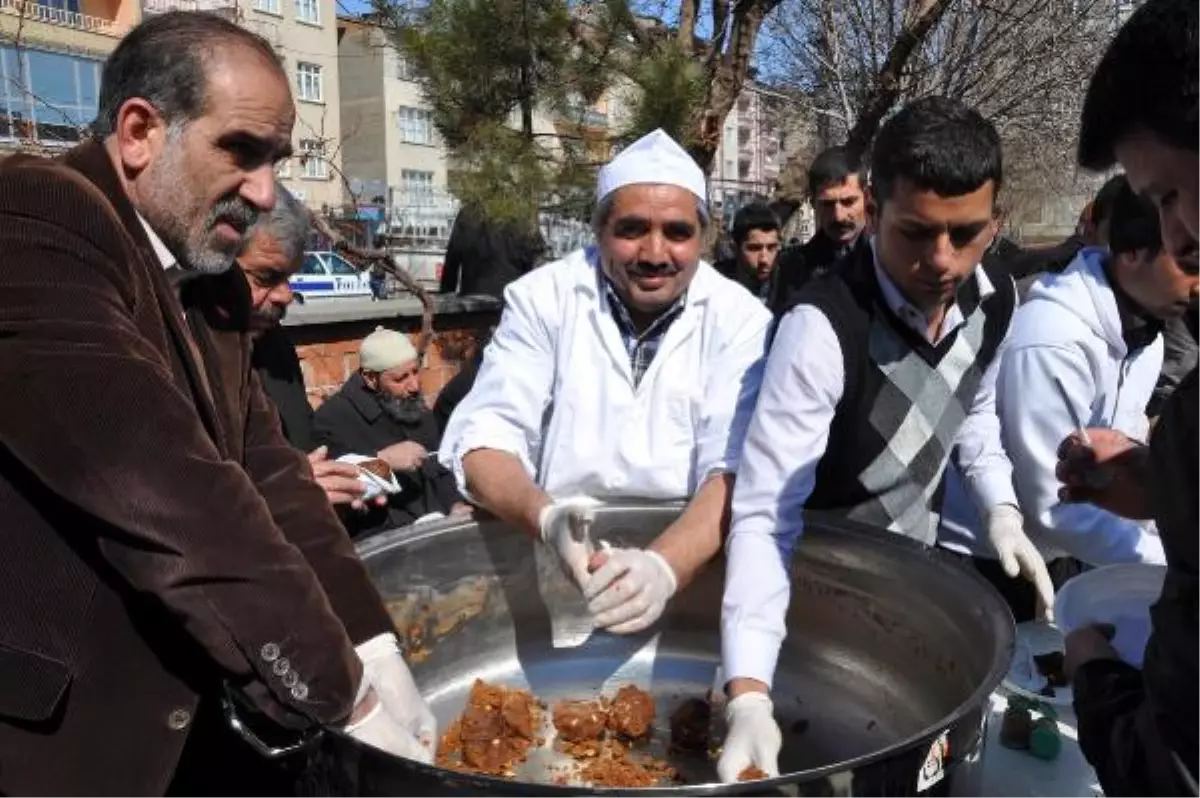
(1018,556)
(753,739)
(402,724)
(629,590)
(565,526)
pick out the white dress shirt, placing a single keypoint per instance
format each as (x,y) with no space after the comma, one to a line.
(787,438)
(165,257)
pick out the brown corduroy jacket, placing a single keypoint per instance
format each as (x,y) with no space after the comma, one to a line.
(157,533)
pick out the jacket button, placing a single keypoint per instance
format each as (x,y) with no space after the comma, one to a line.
(269,652)
(281,666)
(290,678)
(300,691)
(179,719)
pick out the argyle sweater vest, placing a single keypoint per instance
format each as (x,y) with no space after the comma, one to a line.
(904,399)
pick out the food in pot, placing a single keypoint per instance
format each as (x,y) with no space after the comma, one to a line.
(495,732)
(690,724)
(631,715)
(377,467)
(752,773)
(580,721)
(615,766)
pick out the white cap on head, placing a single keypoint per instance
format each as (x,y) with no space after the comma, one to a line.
(654,158)
(385,349)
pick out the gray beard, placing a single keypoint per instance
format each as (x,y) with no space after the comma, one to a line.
(409,410)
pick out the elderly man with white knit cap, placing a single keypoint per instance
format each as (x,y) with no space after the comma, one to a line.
(628,369)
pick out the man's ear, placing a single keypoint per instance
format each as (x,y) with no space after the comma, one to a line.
(871,208)
(140,134)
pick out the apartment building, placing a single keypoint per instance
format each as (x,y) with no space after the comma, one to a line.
(391,152)
(50,58)
(751,151)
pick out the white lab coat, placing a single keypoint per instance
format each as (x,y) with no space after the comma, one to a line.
(556,388)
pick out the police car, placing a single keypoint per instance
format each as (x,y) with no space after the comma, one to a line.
(326,274)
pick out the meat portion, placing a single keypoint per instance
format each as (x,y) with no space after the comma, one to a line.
(631,715)
(752,773)
(690,724)
(377,467)
(495,732)
(580,721)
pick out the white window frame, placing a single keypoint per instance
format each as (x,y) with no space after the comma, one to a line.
(272,7)
(416,125)
(312,75)
(416,186)
(314,167)
(315,5)
(404,69)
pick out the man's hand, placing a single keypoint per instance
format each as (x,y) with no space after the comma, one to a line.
(1112,472)
(629,589)
(403,723)
(404,456)
(565,526)
(1088,643)
(753,739)
(462,510)
(339,480)
(1018,555)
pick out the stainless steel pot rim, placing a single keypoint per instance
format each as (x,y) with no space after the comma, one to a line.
(1000,665)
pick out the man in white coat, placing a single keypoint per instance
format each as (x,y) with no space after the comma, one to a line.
(1096,329)
(628,369)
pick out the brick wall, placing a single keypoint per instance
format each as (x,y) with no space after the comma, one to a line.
(329,351)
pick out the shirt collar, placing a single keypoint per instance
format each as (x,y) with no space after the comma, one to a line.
(625,322)
(165,257)
(913,317)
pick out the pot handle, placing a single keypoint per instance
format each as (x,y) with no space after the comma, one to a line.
(229,703)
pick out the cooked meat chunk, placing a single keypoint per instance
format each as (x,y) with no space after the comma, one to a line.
(631,715)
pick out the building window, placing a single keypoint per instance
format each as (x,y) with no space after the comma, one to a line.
(268,6)
(312,157)
(46,97)
(404,68)
(283,169)
(416,187)
(415,126)
(308,82)
(308,11)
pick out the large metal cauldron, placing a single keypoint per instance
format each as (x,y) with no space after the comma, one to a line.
(891,653)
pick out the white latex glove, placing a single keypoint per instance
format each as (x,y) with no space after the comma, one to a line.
(557,520)
(753,738)
(630,591)
(1018,555)
(402,724)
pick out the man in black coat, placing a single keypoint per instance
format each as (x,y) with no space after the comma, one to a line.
(381,413)
(484,255)
(756,250)
(837,188)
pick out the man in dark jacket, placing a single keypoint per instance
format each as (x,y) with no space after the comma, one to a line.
(160,535)
(756,250)
(1139,729)
(483,255)
(837,187)
(380,412)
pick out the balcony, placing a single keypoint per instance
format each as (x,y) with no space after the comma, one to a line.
(61,17)
(227,8)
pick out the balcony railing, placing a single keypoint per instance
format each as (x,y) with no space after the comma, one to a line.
(60,16)
(151,7)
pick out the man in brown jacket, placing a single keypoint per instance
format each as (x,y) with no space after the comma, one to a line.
(159,535)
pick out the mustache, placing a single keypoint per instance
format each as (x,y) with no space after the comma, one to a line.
(271,314)
(644,269)
(235,212)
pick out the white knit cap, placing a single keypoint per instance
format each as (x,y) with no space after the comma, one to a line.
(385,349)
(654,158)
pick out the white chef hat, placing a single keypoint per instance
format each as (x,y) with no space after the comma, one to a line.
(385,349)
(654,158)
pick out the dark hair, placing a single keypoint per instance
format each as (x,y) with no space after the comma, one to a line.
(755,216)
(835,165)
(163,60)
(1102,204)
(938,145)
(1146,80)
(1133,225)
